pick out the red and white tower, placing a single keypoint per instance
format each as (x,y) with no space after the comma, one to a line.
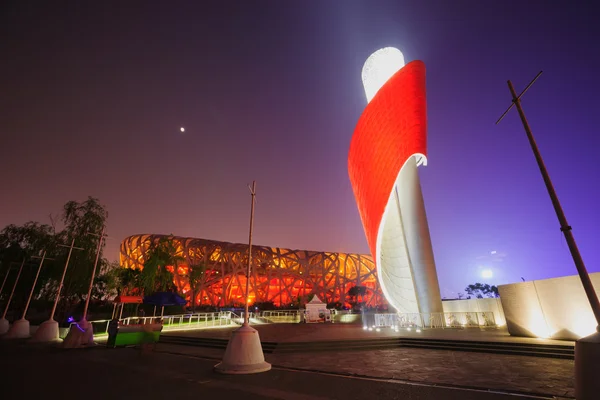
(389,143)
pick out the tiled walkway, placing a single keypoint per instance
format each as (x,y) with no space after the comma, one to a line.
(490,371)
(283,333)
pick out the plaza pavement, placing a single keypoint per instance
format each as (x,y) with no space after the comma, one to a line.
(294,332)
(42,371)
(517,374)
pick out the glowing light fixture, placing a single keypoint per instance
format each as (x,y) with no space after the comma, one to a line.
(487,273)
(379,68)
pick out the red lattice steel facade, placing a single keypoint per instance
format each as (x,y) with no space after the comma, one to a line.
(281,276)
(391,129)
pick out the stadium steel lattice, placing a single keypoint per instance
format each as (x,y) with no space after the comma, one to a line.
(282,276)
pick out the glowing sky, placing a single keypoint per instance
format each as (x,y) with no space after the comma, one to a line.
(93,98)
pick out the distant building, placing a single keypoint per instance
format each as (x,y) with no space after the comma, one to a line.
(282,276)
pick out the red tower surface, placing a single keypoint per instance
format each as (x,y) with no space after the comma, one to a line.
(392,128)
(389,143)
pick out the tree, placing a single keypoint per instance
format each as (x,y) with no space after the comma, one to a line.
(481,290)
(156,277)
(357,294)
(84,222)
(18,243)
(195,276)
(127,281)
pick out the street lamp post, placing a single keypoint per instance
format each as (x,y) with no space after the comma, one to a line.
(20,328)
(244,353)
(249,269)
(82,333)
(49,330)
(5,278)
(89,293)
(4,325)
(587,350)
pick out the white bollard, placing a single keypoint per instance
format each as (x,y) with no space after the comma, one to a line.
(19,330)
(244,353)
(46,332)
(4,326)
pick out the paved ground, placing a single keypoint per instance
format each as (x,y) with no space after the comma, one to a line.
(321,332)
(284,333)
(100,373)
(491,371)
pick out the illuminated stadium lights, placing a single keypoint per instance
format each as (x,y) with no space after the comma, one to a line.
(389,143)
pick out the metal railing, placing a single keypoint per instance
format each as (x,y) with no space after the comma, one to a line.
(435,320)
(174,322)
(282,315)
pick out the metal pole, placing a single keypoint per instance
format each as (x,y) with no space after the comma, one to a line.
(4,280)
(13,290)
(564,225)
(62,279)
(34,283)
(89,293)
(253,194)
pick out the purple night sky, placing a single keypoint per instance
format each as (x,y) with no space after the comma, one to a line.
(93,97)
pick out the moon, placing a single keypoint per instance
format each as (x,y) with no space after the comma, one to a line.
(182,129)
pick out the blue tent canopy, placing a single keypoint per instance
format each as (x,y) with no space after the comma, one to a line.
(161,299)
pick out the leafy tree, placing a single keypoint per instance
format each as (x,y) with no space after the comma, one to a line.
(481,290)
(355,292)
(126,281)
(156,277)
(84,222)
(18,243)
(195,277)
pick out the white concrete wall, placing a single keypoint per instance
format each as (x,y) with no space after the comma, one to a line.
(477,305)
(554,308)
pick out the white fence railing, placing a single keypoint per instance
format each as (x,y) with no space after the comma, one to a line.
(434,320)
(175,322)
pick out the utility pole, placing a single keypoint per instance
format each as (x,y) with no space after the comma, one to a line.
(562,219)
(587,349)
(48,331)
(4,325)
(253,195)
(89,293)
(43,258)
(62,278)
(5,278)
(244,354)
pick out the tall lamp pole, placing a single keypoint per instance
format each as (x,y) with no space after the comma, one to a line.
(62,278)
(20,329)
(89,293)
(4,325)
(5,278)
(244,354)
(248,270)
(587,350)
(43,258)
(564,225)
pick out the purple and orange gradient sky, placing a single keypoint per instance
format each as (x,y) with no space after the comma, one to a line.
(93,95)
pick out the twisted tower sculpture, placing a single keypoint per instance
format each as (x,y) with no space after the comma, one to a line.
(388,145)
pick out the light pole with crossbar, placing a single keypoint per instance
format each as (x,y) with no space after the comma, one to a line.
(587,350)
